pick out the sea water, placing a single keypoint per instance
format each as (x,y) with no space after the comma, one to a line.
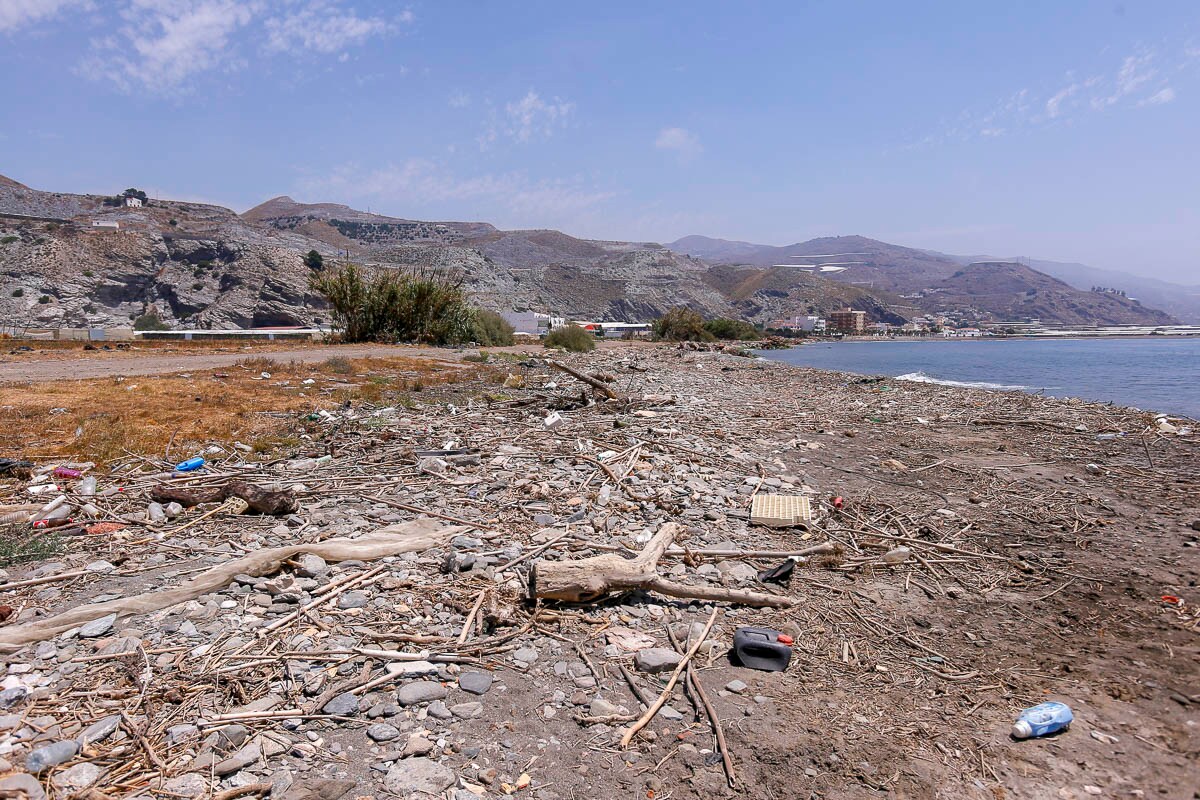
(1151,373)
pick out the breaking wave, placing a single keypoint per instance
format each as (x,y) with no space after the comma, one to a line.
(921,377)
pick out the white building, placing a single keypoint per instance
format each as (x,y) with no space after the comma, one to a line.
(133,202)
(532,322)
(809,324)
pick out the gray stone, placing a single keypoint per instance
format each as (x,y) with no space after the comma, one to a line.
(736,686)
(51,755)
(475,682)
(417,745)
(99,731)
(656,659)
(343,705)
(353,600)
(77,777)
(602,708)
(97,627)
(240,760)
(467,710)
(22,782)
(382,732)
(413,775)
(310,565)
(420,692)
(13,696)
(189,785)
(438,710)
(526,654)
(184,732)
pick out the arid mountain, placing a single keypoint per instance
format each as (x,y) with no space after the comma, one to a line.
(1010,291)
(75,260)
(934,282)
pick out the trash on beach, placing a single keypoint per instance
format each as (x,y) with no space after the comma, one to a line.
(762,648)
(780,510)
(1043,719)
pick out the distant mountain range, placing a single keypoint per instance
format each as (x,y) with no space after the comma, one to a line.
(199,265)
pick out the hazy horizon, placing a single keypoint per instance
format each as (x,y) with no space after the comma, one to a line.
(1063,133)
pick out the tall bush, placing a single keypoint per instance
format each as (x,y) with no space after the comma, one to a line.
(681,324)
(492,330)
(737,329)
(395,305)
(572,338)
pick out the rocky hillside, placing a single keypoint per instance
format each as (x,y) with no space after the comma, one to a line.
(929,282)
(204,266)
(1010,291)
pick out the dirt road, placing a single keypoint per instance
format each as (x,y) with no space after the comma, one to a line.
(30,368)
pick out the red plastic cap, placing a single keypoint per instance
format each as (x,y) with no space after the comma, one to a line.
(785,639)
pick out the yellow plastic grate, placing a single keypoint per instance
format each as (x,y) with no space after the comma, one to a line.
(780,510)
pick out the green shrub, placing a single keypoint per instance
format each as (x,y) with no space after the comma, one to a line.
(150,322)
(90,308)
(197,286)
(681,324)
(87,273)
(314,260)
(395,305)
(8,239)
(491,330)
(572,338)
(18,293)
(44,299)
(173,223)
(737,329)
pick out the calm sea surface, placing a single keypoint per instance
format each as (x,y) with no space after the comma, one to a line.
(1156,374)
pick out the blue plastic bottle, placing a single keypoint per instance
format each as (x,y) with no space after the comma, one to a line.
(190,464)
(1042,720)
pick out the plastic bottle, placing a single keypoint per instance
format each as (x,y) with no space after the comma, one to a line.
(1042,720)
(155,512)
(190,464)
(67,472)
(87,486)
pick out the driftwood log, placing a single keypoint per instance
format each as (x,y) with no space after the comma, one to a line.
(260,501)
(589,579)
(598,385)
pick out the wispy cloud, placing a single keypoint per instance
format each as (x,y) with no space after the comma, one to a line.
(17,14)
(1142,79)
(527,119)
(531,116)
(680,141)
(459,100)
(163,45)
(324,27)
(413,185)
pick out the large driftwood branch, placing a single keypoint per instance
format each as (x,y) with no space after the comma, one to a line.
(599,386)
(589,579)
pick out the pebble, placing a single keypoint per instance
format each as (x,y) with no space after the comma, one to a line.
(382,732)
(475,682)
(417,692)
(416,775)
(342,705)
(467,710)
(353,600)
(736,686)
(51,755)
(97,627)
(99,731)
(20,784)
(656,659)
(77,777)
(527,655)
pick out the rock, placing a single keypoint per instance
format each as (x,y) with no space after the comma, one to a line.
(411,694)
(343,705)
(413,775)
(182,733)
(353,600)
(22,783)
(240,760)
(12,696)
(527,655)
(77,777)
(438,710)
(602,708)
(736,686)
(189,785)
(310,565)
(97,627)
(99,731)
(656,659)
(51,755)
(417,745)
(382,732)
(467,710)
(475,682)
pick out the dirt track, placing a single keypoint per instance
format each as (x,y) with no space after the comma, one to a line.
(36,367)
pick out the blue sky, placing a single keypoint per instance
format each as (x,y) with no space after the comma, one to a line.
(1063,130)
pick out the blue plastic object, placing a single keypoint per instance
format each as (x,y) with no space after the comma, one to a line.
(190,465)
(1042,720)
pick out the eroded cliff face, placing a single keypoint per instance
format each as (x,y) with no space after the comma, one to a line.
(55,275)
